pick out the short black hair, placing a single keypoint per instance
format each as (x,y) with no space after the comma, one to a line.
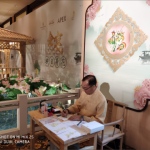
(91,79)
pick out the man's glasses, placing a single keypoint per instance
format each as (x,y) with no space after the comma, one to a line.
(85,89)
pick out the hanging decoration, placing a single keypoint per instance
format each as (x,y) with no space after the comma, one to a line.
(119,39)
(54,43)
(55,57)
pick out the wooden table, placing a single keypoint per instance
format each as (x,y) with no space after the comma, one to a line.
(62,145)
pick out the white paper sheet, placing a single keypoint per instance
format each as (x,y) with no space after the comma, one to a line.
(64,118)
(63,128)
(48,120)
(69,134)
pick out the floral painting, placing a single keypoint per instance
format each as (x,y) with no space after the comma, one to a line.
(142,93)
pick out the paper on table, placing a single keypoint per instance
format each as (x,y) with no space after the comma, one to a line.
(69,134)
(92,127)
(56,127)
(79,129)
(63,128)
(48,120)
(64,118)
(71,123)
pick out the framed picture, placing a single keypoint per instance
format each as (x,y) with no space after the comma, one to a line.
(119,39)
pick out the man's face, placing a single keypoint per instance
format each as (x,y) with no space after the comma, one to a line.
(88,89)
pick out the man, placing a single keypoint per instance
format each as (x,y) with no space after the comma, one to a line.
(91,105)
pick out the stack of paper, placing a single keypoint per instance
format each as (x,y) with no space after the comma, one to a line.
(92,127)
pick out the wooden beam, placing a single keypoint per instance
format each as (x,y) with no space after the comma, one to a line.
(23,58)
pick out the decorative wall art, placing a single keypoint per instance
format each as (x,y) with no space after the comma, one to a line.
(119,39)
(77,57)
(54,43)
(145,57)
(55,56)
(141,94)
(148,2)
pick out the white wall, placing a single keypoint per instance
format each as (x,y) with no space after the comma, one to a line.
(133,72)
(120,84)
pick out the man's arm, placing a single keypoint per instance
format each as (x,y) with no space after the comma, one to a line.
(71,110)
(75,107)
(100,113)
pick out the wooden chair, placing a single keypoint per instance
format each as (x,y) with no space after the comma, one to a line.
(115,117)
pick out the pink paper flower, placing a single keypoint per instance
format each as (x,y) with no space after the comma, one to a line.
(148,2)
(141,94)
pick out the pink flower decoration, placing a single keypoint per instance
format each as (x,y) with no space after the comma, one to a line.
(140,95)
(86,68)
(87,24)
(96,5)
(91,12)
(91,73)
(37,93)
(92,16)
(148,2)
(146,83)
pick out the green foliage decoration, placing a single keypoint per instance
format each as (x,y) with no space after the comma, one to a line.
(12,86)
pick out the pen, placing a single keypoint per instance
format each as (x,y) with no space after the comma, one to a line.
(82,119)
(79,122)
(64,110)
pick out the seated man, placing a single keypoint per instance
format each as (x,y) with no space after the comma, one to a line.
(90,106)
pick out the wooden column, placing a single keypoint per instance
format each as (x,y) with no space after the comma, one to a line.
(7,63)
(23,58)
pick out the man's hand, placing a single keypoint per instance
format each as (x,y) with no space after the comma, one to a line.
(75,118)
(64,113)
